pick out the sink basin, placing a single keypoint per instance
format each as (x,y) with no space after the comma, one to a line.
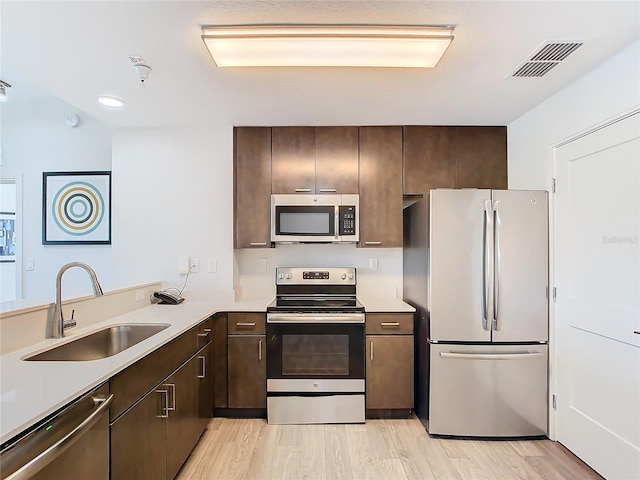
(101,344)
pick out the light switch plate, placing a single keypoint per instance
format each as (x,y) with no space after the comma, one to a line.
(212,265)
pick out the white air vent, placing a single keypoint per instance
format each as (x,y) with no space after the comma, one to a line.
(544,58)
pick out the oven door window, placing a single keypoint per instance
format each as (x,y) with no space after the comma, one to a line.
(315,351)
(305,220)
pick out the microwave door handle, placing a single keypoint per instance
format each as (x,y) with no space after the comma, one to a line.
(336,219)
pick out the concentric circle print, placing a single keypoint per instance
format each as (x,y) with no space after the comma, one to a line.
(78,208)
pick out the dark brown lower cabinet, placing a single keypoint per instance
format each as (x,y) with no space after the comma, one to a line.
(206,387)
(247,371)
(389,372)
(183,426)
(138,440)
(155,436)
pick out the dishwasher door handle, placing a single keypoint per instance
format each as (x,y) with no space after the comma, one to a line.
(102,403)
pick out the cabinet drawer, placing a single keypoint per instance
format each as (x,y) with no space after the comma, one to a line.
(134,382)
(389,323)
(246,323)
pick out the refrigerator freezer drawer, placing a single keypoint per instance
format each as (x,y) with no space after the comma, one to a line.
(488,391)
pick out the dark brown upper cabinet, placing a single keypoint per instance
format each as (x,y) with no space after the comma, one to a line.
(481,157)
(453,157)
(314,160)
(429,159)
(252,185)
(380,187)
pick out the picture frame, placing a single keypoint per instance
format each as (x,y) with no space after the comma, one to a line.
(76,208)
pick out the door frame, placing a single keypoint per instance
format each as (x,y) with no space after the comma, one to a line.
(553,377)
(19,230)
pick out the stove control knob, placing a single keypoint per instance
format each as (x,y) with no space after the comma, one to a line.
(351,276)
(281,276)
(288,276)
(343,276)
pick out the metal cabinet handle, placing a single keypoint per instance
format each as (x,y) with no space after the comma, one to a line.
(172,387)
(258,244)
(245,324)
(637,332)
(203,364)
(102,403)
(205,332)
(371,355)
(165,405)
(328,190)
(259,349)
(389,324)
(490,356)
(303,190)
(373,243)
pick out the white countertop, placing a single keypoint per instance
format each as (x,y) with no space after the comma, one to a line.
(30,391)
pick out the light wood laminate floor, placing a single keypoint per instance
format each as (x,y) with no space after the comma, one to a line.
(379,449)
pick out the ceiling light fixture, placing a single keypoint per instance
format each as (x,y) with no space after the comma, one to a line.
(418,46)
(111,102)
(3,90)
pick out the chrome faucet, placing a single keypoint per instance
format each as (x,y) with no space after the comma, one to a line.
(59,323)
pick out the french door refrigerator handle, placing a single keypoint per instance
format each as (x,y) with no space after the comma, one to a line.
(496,264)
(490,356)
(486,255)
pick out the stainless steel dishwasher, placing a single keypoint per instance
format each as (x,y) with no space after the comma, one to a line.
(71,444)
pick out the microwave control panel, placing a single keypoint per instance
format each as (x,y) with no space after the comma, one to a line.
(347,220)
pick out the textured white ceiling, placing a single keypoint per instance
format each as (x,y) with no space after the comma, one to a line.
(78,50)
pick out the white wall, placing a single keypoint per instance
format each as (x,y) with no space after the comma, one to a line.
(257,267)
(173,196)
(604,93)
(35,139)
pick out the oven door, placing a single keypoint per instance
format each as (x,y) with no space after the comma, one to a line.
(315,357)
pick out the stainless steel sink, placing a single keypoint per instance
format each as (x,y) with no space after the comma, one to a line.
(101,344)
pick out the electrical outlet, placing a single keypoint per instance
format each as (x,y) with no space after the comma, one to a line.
(373,263)
(183,265)
(195,265)
(140,295)
(262,264)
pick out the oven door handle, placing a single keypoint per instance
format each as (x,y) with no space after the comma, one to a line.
(289,318)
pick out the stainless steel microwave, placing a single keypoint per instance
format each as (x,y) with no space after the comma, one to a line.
(305,218)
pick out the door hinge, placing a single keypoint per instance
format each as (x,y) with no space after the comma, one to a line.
(554,294)
(553,185)
(553,401)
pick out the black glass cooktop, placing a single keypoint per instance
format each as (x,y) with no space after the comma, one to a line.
(315,303)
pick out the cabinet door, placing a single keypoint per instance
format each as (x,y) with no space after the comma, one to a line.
(389,372)
(247,371)
(293,158)
(252,195)
(220,361)
(336,159)
(205,386)
(183,424)
(481,157)
(381,186)
(138,440)
(428,159)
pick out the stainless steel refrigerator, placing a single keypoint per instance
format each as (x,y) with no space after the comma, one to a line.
(476,269)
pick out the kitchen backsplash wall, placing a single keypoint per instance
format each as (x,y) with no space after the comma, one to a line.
(379,270)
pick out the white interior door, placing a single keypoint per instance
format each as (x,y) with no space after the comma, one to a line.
(597,212)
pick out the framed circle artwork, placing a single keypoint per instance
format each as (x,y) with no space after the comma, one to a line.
(76,208)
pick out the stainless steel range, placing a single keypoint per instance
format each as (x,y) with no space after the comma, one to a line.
(315,348)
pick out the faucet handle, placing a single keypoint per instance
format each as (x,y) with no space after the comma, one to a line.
(71,322)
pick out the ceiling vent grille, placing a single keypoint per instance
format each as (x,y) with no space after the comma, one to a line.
(547,56)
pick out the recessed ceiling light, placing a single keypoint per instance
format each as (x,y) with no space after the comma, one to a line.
(111,102)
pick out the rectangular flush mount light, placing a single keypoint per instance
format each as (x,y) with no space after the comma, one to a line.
(327,45)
